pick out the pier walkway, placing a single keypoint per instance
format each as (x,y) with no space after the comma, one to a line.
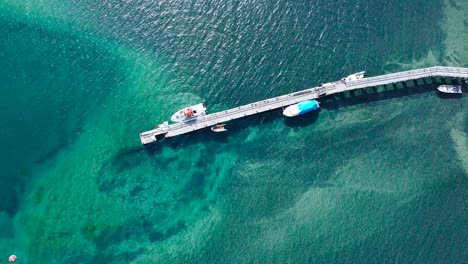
(166,130)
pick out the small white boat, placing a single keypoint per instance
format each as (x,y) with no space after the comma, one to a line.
(456,89)
(355,76)
(189,113)
(218,128)
(301,108)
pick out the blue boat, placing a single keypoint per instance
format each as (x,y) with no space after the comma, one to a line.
(301,108)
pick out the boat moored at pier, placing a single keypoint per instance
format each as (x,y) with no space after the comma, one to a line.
(453,89)
(219,128)
(301,108)
(355,76)
(189,113)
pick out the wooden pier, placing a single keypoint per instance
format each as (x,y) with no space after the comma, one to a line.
(166,130)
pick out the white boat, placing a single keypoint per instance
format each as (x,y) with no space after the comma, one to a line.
(450,89)
(218,128)
(189,113)
(301,108)
(355,76)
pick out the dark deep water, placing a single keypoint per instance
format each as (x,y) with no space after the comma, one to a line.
(377,176)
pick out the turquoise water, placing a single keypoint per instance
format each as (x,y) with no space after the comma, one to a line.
(376,176)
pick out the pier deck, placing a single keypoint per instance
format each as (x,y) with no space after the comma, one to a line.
(166,130)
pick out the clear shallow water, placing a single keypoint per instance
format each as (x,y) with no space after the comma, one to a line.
(375,176)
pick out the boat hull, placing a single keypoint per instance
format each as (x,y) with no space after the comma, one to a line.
(452,89)
(218,129)
(355,76)
(301,108)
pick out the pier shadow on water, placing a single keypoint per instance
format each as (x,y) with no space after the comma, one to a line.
(386,94)
(450,96)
